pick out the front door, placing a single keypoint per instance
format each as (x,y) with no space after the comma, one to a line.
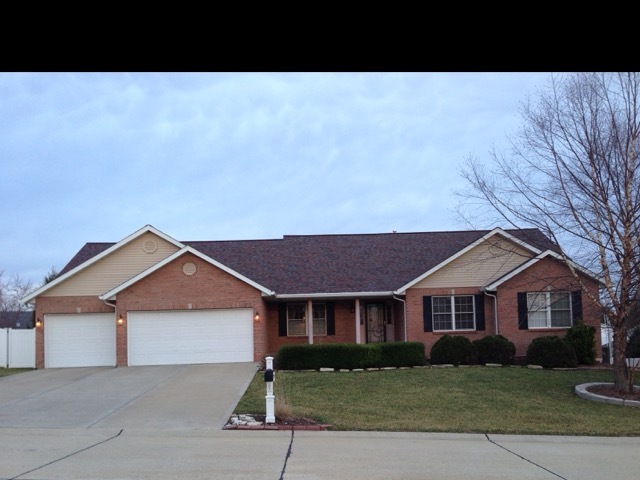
(376,322)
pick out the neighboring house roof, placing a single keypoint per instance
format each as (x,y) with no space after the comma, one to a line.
(332,264)
(16,319)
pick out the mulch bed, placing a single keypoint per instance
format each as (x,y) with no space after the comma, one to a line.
(288,422)
(612,392)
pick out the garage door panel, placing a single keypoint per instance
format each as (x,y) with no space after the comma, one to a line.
(192,336)
(80,340)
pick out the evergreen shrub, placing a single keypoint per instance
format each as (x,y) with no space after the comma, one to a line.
(551,352)
(453,349)
(583,340)
(495,349)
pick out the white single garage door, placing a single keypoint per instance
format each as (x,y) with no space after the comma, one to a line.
(80,340)
(190,336)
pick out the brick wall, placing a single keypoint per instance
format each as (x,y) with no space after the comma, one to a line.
(415,323)
(544,274)
(547,273)
(344,321)
(209,287)
(166,289)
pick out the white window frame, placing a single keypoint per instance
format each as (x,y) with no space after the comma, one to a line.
(316,320)
(453,312)
(304,320)
(548,310)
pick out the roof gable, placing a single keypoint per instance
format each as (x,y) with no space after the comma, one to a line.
(91,254)
(111,294)
(496,232)
(546,254)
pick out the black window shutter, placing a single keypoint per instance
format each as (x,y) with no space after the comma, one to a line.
(523,317)
(576,305)
(331,319)
(282,319)
(479,311)
(427,315)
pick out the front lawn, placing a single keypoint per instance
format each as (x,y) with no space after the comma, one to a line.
(477,399)
(4,372)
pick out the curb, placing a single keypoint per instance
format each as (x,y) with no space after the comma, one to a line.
(581,391)
(270,426)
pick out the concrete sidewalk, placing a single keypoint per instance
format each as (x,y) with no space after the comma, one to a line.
(70,454)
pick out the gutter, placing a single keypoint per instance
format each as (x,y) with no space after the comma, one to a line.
(296,296)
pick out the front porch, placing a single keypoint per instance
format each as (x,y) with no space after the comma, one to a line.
(361,319)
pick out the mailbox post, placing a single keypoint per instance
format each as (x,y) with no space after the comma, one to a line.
(268,379)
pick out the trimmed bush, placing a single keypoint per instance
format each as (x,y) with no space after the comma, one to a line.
(633,345)
(349,355)
(583,340)
(551,352)
(453,349)
(401,354)
(495,349)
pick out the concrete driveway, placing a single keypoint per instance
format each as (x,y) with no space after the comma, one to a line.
(155,397)
(166,422)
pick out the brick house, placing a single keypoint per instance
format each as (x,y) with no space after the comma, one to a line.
(150,299)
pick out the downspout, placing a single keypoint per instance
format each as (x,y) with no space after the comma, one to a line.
(404,305)
(495,310)
(111,305)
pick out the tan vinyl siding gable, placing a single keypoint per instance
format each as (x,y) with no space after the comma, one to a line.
(479,266)
(116,268)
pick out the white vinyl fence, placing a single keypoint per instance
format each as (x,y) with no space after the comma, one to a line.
(17,348)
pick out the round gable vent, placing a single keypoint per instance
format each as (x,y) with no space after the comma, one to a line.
(150,246)
(189,268)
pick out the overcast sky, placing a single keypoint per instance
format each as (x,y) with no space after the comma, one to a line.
(93,157)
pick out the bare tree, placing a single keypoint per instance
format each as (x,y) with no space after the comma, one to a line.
(11,291)
(572,170)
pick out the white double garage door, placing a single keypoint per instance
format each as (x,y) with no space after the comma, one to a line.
(153,338)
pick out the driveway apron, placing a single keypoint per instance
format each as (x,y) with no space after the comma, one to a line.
(153,397)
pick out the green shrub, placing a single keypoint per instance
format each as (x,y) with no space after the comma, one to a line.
(401,354)
(495,349)
(349,355)
(633,345)
(453,349)
(583,340)
(551,352)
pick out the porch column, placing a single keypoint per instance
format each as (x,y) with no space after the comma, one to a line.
(310,321)
(358,335)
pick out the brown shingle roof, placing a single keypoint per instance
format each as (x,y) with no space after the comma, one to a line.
(381,262)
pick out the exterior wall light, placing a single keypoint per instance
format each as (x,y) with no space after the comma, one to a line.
(256,316)
(120,320)
(38,323)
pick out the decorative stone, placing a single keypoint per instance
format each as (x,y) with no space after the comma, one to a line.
(492,364)
(323,369)
(535,367)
